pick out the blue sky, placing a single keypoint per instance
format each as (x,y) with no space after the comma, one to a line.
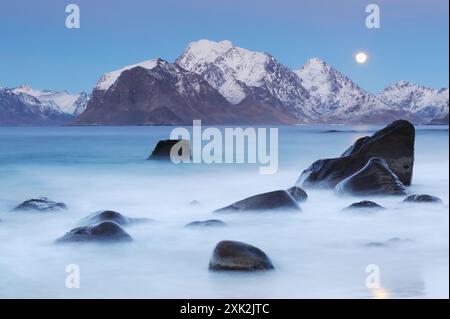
(37,49)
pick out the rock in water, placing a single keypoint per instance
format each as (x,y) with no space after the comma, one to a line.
(423,199)
(277,200)
(376,178)
(207,223)
(365,205)
(111,216)
(394,143)
(163,148)
(101,232)
(42,204)
(237,256)
(298,193)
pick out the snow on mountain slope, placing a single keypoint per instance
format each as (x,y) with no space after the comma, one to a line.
(231,70)
(419,101)
(18,108)
(333,95)
(109,78)
(59,101)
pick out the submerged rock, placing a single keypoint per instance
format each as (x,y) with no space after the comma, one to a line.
(394,143)
(299,194)
(163,148)
(364,205)
(112,216)
(376,178)
(42,204)
(277,200)
(423,199)
(194,203)
(101,232)
(207,223)
(387,243)
(238,256)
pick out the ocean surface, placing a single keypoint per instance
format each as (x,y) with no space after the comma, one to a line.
(320,252)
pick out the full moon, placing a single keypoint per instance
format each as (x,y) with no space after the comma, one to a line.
(361,57)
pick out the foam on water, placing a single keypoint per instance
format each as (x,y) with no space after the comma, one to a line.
(320,252)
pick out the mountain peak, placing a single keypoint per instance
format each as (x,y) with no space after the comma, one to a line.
(108,79)
(233,70)
(316,61)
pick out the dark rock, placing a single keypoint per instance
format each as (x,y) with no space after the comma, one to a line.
(276,200)
(376,178)
(394,143)
(422,199)
(111,216)
(163,148)
(238,256)
(207,223)
(365,205)
(101,232)
(42,204)
(298,193)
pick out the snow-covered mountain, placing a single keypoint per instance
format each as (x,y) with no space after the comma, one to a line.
(159,92)
(236,72)
(336,98)
(18,108)
(422,103)
(27,106)
(223,83)
(72,104)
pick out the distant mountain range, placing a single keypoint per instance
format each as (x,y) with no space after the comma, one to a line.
(26,106)
(221,83)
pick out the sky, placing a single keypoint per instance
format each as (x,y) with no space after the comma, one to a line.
(38,50)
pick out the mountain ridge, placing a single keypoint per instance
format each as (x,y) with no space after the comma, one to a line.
(245,87)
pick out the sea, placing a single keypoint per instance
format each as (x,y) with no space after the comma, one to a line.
(320,252)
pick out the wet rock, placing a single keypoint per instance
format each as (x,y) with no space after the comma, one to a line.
(394,143)
(299,194)
(279,200)
(364,205)
(112,216)
(238,256)
(423,199)
(163,148)
(101,232)
(207,223)
(376,178)
(42,204)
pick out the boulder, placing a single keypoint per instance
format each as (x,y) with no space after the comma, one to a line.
(364,205)
(238,256)
(163,148)
(279,200)
(394,143)
(101,232)
(42,204)
(376,178)
(298,193)
(423,199)
(207,223)
(111,216)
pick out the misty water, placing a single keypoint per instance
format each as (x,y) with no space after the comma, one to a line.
(319,252)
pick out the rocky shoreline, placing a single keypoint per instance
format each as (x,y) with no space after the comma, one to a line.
(379,165)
